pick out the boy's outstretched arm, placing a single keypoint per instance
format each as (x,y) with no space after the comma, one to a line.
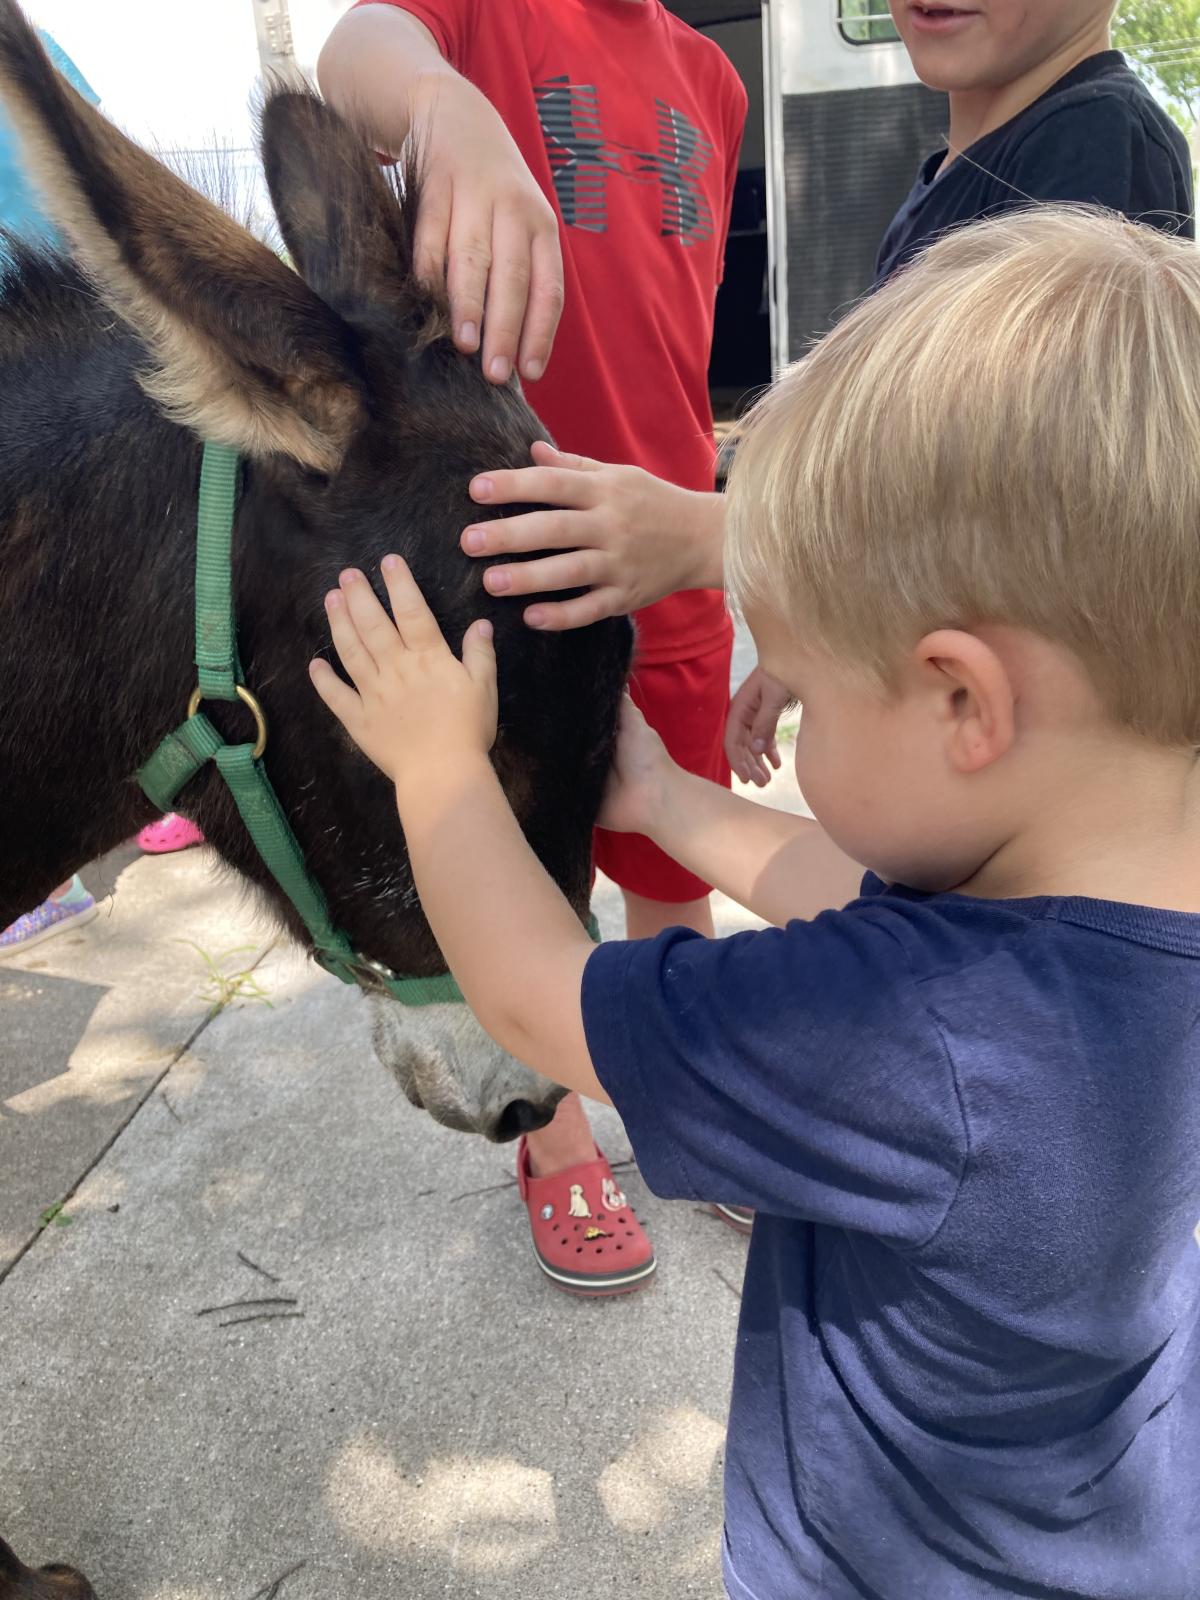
(517,949)
(483,221)
(776,864)
(428,721)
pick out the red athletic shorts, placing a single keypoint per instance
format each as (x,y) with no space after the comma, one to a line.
(687,703)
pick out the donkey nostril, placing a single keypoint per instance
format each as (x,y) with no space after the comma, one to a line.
(521,1116)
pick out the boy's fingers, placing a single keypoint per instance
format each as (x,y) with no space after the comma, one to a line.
(578,569)
(416,625)
(560,616)
(544,485)
(352,653)
(433,230)
(533,530)
(479,653)
(338,696)
(469,252)
(764,722)
(376,634)
(546,455)
(507,296)
(545,304)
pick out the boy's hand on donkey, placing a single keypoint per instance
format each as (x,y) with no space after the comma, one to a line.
(623,536)
(487,226)
(414,706)
(639,784)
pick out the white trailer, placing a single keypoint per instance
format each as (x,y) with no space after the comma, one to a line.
(838,124)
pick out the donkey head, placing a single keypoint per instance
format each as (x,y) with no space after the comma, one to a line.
(360,426)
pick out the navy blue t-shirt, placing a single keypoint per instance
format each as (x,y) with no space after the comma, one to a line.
(966,1363)
(1096,137)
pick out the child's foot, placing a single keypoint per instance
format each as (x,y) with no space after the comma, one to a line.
(71,909)
(169,833)
(586,1237)
(739,1217)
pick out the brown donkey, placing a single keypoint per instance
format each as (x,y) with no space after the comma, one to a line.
(359,426)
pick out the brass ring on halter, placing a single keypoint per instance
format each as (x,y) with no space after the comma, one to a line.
(256,711)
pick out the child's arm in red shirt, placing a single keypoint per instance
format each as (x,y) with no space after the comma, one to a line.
(483,218)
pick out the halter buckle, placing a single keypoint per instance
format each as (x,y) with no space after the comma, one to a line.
(247,699)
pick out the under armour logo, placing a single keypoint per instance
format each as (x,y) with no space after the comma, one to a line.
(683,154)
(581,160)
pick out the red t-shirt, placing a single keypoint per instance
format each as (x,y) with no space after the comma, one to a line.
(631,122)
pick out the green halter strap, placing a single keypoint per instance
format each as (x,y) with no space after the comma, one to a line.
(195,742)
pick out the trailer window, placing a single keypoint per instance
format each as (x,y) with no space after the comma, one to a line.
(866,22)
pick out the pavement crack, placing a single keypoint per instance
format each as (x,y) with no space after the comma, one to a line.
(262,1316)
(146,1094)
(238,1305)
(254,1267)
(732,1287)
(270,1591)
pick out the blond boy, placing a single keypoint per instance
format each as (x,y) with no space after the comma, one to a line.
(967,1107)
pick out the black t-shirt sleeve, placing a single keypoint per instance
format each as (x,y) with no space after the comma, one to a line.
(1102,152)
(794,1070)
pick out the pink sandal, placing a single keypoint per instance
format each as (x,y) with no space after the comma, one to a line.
(169,833)
(585,1235)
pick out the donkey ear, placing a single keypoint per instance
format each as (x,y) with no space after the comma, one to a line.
(244,352)
(340,220)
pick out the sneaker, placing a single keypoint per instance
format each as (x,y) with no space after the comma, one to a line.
(72,910)
(586,1238)
(169,833)
(739,1217)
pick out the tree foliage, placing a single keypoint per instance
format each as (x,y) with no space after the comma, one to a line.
(866,21)
(1162,40)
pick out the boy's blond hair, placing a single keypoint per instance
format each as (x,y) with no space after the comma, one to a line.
(1009,432)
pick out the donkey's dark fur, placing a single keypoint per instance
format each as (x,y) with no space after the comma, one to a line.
(19,1582)
(359,426)
(98,493)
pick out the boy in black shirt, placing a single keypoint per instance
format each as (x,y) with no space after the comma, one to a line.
(1041,109)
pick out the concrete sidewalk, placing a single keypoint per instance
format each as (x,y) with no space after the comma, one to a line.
(429,1419)
(407,1408)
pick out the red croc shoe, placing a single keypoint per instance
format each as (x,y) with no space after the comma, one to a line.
(585,1236)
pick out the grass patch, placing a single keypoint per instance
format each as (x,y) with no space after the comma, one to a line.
(225,981)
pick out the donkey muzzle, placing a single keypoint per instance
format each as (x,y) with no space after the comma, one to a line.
(447,1065)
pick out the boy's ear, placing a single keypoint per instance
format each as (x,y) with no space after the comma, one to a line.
(244,352)
(973,695)
(339,218)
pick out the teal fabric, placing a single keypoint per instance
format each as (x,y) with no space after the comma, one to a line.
(20,210)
